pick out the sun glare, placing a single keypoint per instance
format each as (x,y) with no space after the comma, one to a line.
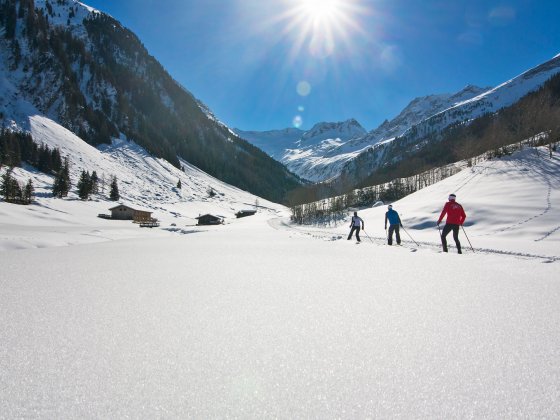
(322,26)
(321,10)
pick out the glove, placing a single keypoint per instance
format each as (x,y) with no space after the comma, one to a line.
(437,223)
(385,227)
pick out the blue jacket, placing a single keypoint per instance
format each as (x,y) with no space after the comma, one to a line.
(393,217)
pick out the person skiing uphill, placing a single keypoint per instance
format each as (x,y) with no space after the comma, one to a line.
(355,225)
(455,218)
(394,225)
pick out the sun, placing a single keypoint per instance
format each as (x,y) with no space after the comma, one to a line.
(322,26)
(322,11)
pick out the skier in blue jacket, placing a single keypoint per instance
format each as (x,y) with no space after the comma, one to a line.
(394,225)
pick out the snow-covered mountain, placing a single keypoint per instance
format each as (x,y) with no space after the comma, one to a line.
(321,152)
(421,121)
(273,142)
(312,154)
(82,69)
(320,132)
(429,130)
(414,113)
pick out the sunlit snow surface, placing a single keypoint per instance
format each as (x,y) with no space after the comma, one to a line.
(261,319)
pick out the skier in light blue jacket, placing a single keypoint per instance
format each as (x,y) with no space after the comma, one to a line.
(355,225)
(394,225)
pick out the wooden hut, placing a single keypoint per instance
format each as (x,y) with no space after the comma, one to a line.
(124,212)
(209,219)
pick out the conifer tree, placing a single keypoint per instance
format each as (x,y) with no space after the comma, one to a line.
(94,183)
(45,159)
(84,186)
(57,185)
(10,188)
(7,185)
(114,194)
(56,160)
(28,192)
(179,185)
(17,196)
(66,177)
(62,184)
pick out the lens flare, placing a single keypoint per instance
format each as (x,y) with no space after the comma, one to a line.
(297,121)
(303,88)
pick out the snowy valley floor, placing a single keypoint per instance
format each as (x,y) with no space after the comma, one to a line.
(255,319)
(259,318)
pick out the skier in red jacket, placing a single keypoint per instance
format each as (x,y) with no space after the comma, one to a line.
(455,217)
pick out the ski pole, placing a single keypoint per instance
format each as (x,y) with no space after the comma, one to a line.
(368,237)
(410,236)
(465,232)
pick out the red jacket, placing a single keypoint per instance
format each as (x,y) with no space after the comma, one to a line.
(455,213)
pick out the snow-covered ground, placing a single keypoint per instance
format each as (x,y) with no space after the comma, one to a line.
(257,318)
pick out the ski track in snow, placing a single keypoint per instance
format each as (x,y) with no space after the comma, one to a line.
(546,235)
(380,241)
(545,178)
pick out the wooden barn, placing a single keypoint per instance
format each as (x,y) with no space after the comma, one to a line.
(245,213)
(208,219)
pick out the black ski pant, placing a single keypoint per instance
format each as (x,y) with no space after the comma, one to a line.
(394,228)
(357,229)
(446,229)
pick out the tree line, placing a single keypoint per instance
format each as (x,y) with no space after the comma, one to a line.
(90,184)
(19,147)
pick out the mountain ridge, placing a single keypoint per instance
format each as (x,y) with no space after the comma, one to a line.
(432,130)
(421,121)
(321,152)
(83,69)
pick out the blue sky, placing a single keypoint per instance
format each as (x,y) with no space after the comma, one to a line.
(272,64)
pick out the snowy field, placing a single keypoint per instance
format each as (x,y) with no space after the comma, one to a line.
(258,318)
